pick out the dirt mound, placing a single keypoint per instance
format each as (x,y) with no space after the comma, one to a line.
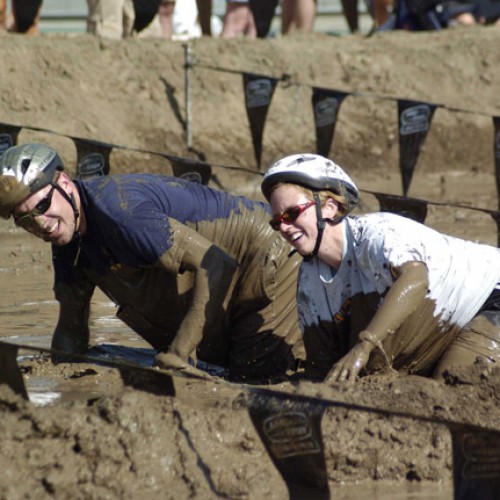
(202,443)
(132,94)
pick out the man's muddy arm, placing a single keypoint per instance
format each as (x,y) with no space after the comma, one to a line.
(213,271)
(403,298)
(72,334)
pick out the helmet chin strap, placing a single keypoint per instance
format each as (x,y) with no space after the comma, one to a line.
(320,224)
(71,200)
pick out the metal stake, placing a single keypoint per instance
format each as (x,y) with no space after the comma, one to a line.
(187,94)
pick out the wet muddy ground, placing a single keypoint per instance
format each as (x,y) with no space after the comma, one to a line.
(84,431)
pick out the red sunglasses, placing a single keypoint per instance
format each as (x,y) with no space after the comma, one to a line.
(289,216)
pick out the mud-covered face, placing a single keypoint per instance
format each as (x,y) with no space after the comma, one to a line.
(300,231)
(47,215)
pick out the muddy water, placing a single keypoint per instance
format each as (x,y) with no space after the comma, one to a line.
(28,313)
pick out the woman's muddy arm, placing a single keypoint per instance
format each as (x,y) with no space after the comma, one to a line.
(403,298)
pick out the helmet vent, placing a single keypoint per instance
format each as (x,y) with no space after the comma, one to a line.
(25,165)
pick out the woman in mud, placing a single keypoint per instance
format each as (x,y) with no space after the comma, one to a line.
(195,271)
(380,290)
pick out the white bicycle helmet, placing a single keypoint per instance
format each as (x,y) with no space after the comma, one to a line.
(24,170)
(314,172)
(317,173)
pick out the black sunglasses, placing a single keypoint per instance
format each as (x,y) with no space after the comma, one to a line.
(289,216)
(27,219)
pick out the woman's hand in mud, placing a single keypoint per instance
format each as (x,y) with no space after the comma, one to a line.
(348,367)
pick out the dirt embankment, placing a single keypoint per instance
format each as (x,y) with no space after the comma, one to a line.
(133,94)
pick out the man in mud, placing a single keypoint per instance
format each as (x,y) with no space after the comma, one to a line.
(195,271)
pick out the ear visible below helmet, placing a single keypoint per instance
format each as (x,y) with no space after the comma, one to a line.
(24,170)
(314,172)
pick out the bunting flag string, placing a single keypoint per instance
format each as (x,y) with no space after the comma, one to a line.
(416,209)
(393,201)
(94,157)
(285,77)
(414,120)
(90,152)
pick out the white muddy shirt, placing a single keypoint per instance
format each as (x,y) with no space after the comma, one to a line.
(461,274)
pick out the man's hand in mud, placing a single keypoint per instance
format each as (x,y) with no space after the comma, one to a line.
(172,362)
(348,367)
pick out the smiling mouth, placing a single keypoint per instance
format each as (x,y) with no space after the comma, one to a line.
(53,228)
(295,236)
(49,232)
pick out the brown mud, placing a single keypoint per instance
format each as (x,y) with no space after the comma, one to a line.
(91,437)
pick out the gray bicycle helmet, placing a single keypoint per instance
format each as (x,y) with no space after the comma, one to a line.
(24,170)
(314,172)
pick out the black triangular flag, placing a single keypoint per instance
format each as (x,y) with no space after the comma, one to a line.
(496,153)
(8,136)
(259,91)
(192,170)
(326,104)
(10,374)
(92,157)
(414,123)
(407,207)
(147,379)
(496,217)
(476,464)
(291,433)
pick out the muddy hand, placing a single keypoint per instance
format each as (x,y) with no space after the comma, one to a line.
(171,361)
(348,367)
